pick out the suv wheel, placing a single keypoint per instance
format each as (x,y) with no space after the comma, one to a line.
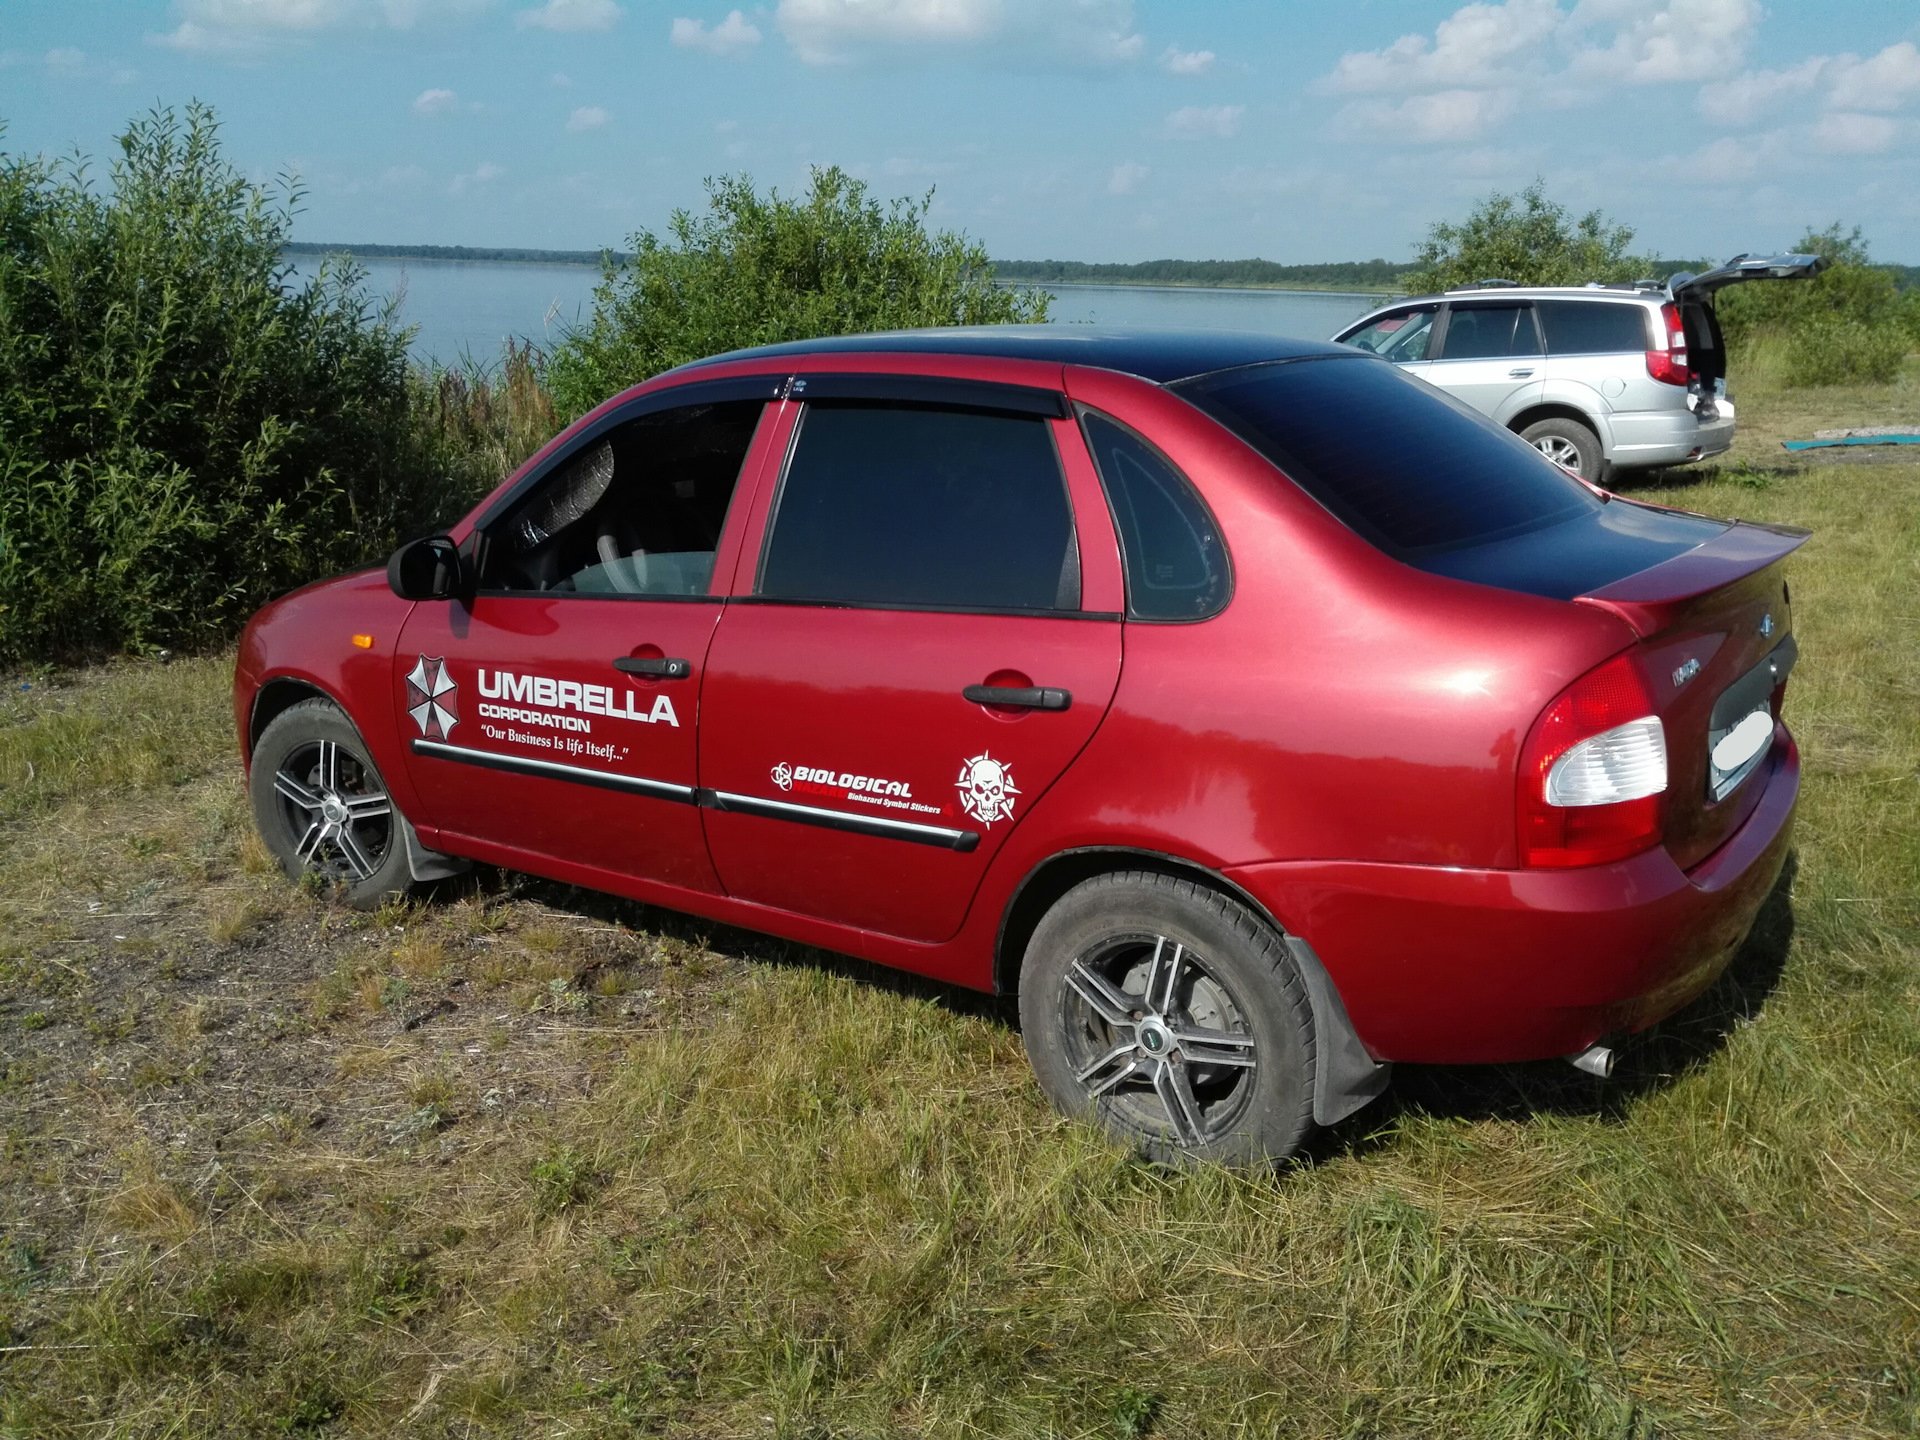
(322,807)
(1173,1017)
(1569,444)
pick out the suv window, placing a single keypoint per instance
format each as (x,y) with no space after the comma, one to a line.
(1489,332)
(1176,563)
(923,507)
(1401,462)
(636,510)
(1592,327)
(1400,337)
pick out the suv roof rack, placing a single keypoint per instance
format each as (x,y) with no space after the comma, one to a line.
(1494,283)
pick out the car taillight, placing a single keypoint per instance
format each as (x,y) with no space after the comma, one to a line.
(1669,364)
(1592,772)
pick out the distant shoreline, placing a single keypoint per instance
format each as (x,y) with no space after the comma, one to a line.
(1008,273)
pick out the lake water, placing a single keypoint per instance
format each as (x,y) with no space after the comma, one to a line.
(466,309)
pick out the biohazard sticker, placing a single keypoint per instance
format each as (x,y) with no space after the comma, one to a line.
(432,697)
(986,788)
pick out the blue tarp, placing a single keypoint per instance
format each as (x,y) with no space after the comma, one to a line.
(1852,440)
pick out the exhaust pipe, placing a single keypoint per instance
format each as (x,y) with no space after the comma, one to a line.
(1595,1060)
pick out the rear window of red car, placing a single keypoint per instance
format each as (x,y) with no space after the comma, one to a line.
(1400,462)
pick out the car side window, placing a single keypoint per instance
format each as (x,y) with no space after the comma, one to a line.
(636,510)
(922,507)
(1400,337)
(1490,332)
(1176,562)
(1593,327)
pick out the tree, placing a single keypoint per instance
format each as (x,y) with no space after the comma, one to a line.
(183,432)
(1525,238)
(753,270)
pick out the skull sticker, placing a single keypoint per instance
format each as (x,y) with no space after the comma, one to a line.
(986,789)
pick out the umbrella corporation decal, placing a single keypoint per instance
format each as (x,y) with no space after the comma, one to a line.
(527,709)
(985,785)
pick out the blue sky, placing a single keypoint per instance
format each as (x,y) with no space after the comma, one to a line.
(1080,129)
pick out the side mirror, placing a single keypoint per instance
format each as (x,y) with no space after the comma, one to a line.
(428,569)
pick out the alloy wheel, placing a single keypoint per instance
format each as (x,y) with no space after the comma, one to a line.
(338,817)
(1153,1033)
(1562,451)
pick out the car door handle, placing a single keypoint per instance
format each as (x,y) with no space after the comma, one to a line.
(1520,372)
(1029,697)
(667,669)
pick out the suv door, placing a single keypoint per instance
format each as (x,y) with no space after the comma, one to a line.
(553,714)
(1489,356)
(914,666)
(1403,335)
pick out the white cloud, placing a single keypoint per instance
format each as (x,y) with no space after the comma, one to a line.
(1205,122)
(1847,132)
(1187,62)
(402,177)
(1470,47)
(436,102)
(243,27)
(1665,40)
(483,174)
(587,117)
(561,80)
(731,36)
(571,15)
(66,60)
(828,32)
(1449,117)
(1885,82)
(1745,98)
(1126,178)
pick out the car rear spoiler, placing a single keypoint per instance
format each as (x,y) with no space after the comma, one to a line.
(1655,599)
(1746,267)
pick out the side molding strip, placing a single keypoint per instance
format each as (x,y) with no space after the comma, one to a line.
(961,840)
(553,769)
(936,835)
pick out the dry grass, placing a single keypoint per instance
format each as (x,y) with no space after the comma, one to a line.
(521,1161)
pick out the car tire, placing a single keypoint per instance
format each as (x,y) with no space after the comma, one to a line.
(1569,444)
(1124,975)
(322,808)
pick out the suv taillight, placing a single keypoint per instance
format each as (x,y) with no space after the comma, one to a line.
(1669,365)
(1592,772)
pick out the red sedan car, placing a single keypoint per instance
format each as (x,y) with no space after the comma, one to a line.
(1258,714)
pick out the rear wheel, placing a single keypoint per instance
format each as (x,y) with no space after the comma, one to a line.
(1173,1017)
(322,807)
(1569,444)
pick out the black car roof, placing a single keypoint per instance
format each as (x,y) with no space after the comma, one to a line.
(1164,356)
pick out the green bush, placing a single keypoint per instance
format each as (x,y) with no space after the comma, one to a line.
(183,433)
(1526,238)
(753,270)
(1845,326)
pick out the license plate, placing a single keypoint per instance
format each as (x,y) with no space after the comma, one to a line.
(1741,728)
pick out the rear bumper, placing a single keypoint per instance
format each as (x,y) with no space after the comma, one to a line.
(1668,437)
(1455,966)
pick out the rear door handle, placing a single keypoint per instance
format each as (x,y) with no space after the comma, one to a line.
(1520,373)
(667,669)
(1031,697)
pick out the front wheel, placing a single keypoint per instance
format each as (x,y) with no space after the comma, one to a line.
(1173,1017)
(1570,445)
(322,807)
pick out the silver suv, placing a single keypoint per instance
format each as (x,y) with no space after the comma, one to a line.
(1596,377)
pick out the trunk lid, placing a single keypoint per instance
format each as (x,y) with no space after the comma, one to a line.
(1694,296)
(1715,647)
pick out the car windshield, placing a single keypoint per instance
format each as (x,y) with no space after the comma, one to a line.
(1399,461)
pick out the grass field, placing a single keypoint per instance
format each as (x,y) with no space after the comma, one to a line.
(524,1161)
